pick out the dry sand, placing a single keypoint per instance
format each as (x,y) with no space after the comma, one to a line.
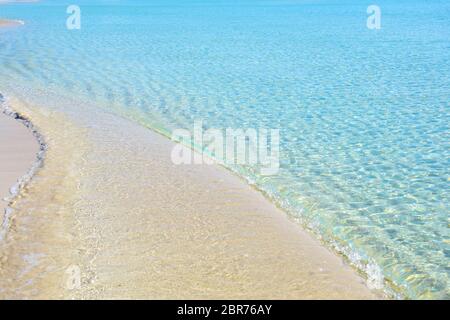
(10,23)
(18,149)
(109,216)
(16,1)
(110,207)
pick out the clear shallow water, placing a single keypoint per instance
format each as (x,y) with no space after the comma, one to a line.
(364,115)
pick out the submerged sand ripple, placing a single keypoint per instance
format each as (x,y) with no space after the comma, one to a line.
(110,204)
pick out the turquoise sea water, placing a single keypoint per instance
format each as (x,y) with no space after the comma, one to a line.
(364,114)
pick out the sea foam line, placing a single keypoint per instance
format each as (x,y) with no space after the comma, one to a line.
(365,266)
(15,190)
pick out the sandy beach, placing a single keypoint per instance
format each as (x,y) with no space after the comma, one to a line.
(18,149)
(4,23)
(111,207)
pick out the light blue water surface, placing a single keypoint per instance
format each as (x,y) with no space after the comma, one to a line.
(364,114)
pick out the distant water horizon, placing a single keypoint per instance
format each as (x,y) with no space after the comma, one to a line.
(363,114)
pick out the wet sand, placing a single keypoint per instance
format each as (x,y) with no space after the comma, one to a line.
(109,216)
(17,1)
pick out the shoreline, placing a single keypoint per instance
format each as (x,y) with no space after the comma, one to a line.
(7,23)
(22,149)
(368,270)
(304,264)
